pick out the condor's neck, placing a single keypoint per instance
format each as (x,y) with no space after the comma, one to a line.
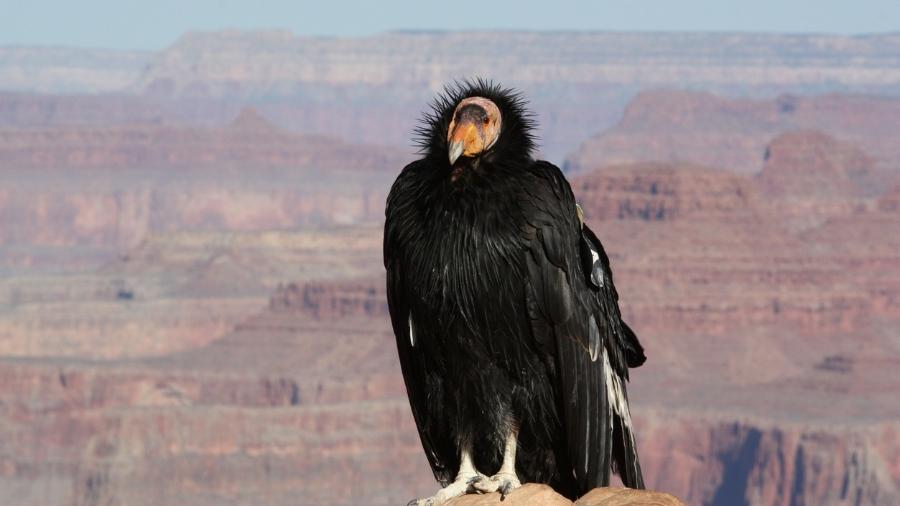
(484,190)
(487,169)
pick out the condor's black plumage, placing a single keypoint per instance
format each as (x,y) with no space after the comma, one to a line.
(503,306)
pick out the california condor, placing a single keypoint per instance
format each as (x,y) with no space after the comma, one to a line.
(508,328)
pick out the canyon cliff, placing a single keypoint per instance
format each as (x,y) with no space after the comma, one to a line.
(192,309)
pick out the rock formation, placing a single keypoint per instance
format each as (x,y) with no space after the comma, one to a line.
(352,87)
(112,186)
(733,133)
(278,62)
(249,142)
(809,177)
(531,494)
(664,191)
(69,70)
(179,328)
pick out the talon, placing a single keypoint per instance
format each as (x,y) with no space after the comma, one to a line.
(465,483)
(505,489)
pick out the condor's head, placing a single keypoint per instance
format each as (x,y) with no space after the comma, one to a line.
(475,122)
(474,129)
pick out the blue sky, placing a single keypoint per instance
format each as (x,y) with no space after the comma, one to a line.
(156,24)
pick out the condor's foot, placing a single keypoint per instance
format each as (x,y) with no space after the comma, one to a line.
(505,481)
(502,482)
(464,484)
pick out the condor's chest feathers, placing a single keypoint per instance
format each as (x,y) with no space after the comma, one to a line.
(471,243)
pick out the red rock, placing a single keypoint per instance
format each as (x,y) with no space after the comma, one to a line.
(732,133)
(354,87)
(812,161)
(626,497)
(890,201)
(118,210)
(809,177)
(661,191)
(772,351)
(249,141)
(333,300)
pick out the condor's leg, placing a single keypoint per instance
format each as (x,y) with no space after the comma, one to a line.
(505,481)
(461,485)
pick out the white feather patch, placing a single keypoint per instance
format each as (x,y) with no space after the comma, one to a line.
(596,268)
(412,333)
(615,392)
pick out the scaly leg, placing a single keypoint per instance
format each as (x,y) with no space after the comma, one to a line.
(461,485)
(505,481)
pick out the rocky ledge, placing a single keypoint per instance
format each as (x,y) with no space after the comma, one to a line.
(533,494)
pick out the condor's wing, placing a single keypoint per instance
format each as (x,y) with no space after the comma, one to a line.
(423,387)
(574,313)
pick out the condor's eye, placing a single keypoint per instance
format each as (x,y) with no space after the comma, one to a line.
(486,121)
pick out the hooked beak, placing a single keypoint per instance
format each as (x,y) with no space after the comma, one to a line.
(456,149)
(465,140)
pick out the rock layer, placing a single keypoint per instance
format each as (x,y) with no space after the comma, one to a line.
(733,133)
(162,376)
(249,142)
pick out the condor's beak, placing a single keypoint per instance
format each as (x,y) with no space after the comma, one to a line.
(456,149)
(465,140)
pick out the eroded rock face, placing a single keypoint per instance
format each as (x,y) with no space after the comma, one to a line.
(112,187)
(69,70)
(890,201)
(809,177)
(283,399)
(249,141)
(761,462)
(119,218)
(356,88)
(331,300)
(169,376)
(812,161)
(733,133)
(663,192)
(276,62)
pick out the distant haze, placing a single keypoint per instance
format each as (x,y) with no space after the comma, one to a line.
(154,25)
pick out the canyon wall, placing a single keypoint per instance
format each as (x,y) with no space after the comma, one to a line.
(362,90)
(112,186)
(192,305)
(732,133)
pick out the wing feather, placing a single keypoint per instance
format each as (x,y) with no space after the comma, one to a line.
(576,307)
(423,387)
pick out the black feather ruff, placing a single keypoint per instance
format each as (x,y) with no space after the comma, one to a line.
(516,141)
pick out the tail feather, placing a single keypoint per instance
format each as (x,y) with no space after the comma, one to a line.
(634,352)
(625,460)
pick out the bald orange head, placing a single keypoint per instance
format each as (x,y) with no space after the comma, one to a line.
(474,129)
